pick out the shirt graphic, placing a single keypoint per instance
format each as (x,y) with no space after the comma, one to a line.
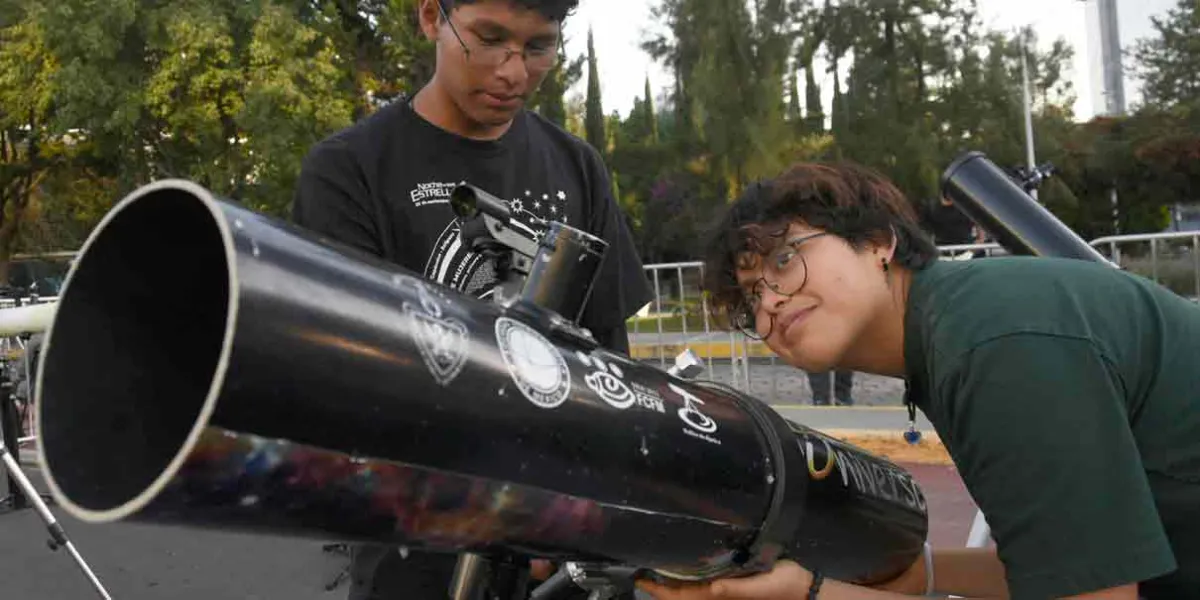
(431,193)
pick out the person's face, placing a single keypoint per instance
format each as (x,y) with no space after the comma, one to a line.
(815,296)
(508,52)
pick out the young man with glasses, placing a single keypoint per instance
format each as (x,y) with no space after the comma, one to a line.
(383,186)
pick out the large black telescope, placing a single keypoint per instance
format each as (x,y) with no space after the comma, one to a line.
(211,367)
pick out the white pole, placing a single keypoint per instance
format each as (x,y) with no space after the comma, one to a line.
(1028,112)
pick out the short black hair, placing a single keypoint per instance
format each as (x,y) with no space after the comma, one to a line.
(846,199)
(553,10)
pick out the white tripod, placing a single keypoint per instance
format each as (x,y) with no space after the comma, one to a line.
(58,537)
(13,322)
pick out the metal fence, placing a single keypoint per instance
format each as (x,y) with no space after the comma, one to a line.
(677,318)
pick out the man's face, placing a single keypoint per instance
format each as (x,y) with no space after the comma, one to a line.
(509,50)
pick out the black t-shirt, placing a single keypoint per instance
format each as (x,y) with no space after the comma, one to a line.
(382,186)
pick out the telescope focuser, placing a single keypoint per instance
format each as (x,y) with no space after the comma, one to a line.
(600,581)
(688,365)
(555,272)
(1032,179)
(486,225)
(486,228)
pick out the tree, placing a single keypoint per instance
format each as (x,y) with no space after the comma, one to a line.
(650,115)
(1169,62)
(226,93)
(550,98)
(678,49)
(594,118)
(30,152)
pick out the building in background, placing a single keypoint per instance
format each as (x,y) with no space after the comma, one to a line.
(1114,26)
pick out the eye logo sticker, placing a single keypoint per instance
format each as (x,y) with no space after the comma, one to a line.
(607,381)
(536,365)
(441,340)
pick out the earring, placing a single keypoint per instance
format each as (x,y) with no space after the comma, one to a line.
(885,264)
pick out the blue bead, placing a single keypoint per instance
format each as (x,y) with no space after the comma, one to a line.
(912,436)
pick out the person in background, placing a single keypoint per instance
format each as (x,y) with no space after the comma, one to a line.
(843,385)
(382,186)
(949,226)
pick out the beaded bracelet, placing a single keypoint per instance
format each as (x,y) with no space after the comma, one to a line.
(817,579)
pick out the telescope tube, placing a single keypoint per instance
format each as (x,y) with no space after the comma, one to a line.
(993,200)
(211,367)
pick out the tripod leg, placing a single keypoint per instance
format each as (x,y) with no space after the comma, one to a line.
(58,537)
(10,429)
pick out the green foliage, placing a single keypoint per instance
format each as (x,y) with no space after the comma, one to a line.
(1169,62)
(224,92)
(550,99)
(594,116)
(99,97)
(30,153)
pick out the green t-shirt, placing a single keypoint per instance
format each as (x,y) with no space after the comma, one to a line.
(1068,394)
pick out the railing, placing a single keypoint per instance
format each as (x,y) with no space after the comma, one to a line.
(1174,258)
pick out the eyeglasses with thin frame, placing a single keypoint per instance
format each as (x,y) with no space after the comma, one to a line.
(778,265)
(494,54)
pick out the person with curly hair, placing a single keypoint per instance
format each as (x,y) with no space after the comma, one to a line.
(382,186)
(1065,390)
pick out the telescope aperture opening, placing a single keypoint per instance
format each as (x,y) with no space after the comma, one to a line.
(134,351)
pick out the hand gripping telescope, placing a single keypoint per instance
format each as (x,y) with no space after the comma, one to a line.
(211,367)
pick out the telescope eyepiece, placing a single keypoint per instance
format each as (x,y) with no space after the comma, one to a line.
(463,202)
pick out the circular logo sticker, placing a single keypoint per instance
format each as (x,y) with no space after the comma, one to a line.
(536,366)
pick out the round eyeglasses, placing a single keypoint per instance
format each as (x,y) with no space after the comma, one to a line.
(785,263)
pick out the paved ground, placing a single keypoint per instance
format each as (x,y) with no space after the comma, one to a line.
(873,418)
(780,384)
(951,509)
(142,562)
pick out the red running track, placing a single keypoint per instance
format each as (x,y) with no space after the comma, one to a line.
(951,509)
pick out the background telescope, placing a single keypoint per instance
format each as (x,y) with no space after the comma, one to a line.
(281,384)
(991,198)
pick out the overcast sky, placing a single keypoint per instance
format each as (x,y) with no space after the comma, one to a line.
(619,26)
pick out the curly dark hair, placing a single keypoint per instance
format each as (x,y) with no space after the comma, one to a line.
(846,199)
(553,10)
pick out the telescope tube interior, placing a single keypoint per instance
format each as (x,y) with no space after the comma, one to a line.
(143,331)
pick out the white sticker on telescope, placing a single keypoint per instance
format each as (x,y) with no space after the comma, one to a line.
(859,473)
(608,381)
(699,425)
(536,365)
(441,340)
